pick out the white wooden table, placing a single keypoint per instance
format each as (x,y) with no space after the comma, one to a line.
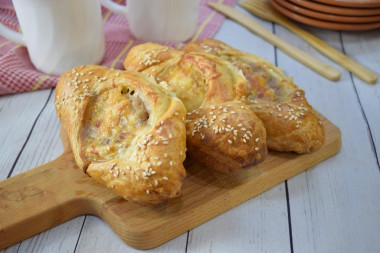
(332,207)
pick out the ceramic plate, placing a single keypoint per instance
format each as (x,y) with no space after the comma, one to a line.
(327,17)
(324,24)
(345,11)
(352,3)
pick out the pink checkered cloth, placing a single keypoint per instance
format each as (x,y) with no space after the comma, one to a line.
(17,73)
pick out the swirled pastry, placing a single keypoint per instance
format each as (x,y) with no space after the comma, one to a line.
(125,131)
(222,131)
(290,121)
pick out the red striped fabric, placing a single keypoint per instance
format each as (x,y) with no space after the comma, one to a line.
(17,73)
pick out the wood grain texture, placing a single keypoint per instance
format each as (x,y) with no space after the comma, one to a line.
(324,217)
(17,114)
(263,9)
(318,66)
(95,230)
(58,191)
(365,48)
(233,231)
(42,146)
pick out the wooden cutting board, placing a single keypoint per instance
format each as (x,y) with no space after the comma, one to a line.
(53,193)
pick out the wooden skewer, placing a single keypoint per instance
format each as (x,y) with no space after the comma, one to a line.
(263,10)
(321,68)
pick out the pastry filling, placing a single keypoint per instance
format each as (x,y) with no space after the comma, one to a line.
(111,121)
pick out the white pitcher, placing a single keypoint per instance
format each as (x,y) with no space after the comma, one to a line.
(59,34)
(159,20)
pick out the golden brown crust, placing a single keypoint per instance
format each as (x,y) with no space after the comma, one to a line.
(290,121)
(125,131)
(220,127)
(226,136)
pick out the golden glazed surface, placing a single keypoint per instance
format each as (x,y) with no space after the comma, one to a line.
(125,131)
(290,121)
(222,131)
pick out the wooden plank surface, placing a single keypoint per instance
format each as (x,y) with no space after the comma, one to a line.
(260,221)
(325,216)
(36,152)
(17,115)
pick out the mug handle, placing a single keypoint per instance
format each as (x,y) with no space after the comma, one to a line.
(114,7)
(11,35)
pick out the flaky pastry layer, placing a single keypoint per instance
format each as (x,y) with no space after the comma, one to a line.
(125,131)
(290,121)
(222,131)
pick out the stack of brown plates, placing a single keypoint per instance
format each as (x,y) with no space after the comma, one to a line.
(345,15)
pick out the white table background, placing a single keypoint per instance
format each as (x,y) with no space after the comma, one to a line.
(332,207)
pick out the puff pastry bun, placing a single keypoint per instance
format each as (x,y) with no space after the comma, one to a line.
(290,121)
(222,131)
(125,131)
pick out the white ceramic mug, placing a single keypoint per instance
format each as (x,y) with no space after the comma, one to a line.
(159,20)
(59,34)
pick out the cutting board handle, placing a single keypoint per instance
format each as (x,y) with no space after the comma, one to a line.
(38,199)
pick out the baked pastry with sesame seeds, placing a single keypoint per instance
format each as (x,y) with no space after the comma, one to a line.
(125,131)
(290,121)
(222,132)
